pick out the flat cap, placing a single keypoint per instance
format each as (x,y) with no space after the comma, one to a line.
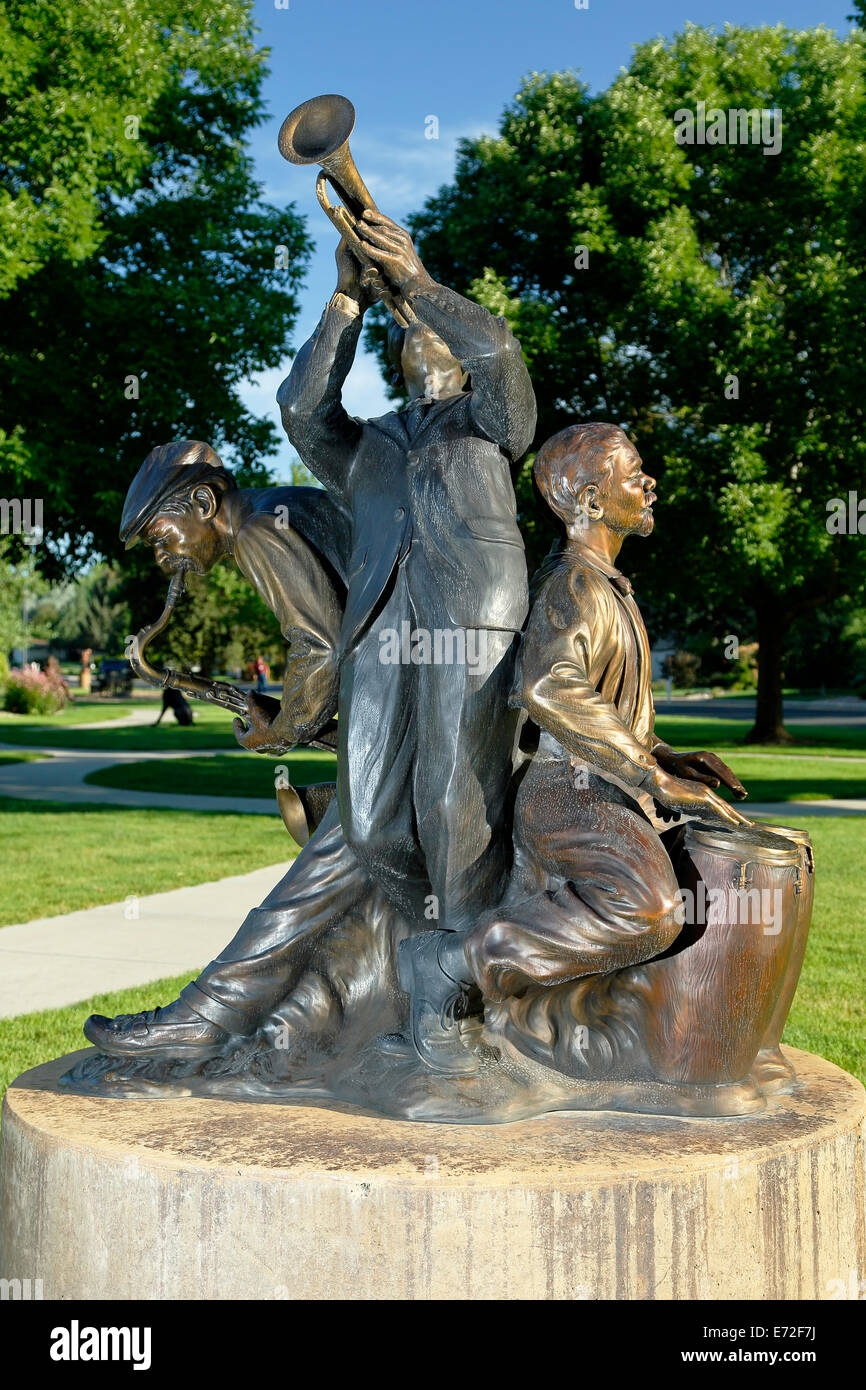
(166,469)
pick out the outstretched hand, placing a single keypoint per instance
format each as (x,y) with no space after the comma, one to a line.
(700,767)
(689,797)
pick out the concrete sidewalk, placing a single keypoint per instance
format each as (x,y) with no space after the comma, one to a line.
(61,960)
(60,777)
(55,961)
(126,721)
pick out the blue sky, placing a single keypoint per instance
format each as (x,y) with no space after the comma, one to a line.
(400,61)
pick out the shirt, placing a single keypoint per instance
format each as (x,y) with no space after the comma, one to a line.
(584,670)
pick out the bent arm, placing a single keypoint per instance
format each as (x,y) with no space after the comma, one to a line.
(310,398)
(289,576)
(556,689)
(503,401)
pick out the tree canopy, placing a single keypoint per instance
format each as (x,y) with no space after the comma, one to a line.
(141,282)
(716,310)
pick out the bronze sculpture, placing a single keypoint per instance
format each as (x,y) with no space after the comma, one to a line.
(435,544)
(477,930)
(290,543)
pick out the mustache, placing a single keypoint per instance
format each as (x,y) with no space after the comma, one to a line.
(174,564)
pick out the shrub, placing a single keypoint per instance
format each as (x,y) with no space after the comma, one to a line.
(682,668)
(33,692)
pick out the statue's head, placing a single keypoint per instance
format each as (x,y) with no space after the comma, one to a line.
(421,360)
(592,475)
(174,504)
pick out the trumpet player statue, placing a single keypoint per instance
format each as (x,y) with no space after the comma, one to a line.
(425,744)
(503,910)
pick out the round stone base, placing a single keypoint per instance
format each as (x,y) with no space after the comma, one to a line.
(214,1199)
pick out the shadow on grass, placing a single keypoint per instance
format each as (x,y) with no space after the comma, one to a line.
(246,775)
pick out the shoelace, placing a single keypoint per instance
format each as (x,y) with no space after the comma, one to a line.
(146,1016)
(453,1008)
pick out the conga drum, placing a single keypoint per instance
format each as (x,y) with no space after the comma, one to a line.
(711,999)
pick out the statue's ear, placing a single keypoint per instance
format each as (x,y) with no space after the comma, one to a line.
(589,501)
(206,501)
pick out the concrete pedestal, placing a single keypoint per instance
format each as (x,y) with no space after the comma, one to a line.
(210,1199)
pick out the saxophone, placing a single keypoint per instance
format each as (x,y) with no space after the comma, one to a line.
(199,687)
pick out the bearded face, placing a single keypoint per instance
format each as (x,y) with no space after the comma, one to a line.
(183,536)
(628,498)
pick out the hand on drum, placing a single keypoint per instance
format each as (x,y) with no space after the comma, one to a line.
(699,767)
(691,798)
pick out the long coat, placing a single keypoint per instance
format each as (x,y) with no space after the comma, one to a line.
(436,494)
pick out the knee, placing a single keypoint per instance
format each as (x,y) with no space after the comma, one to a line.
(663,923)
(484,946)
(363,835)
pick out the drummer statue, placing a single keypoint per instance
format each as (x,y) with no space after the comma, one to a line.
(518,898)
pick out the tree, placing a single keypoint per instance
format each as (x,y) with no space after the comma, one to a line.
(91,611)
(220,625)
(708,297)
(73,93)
(21,588)
(152,279)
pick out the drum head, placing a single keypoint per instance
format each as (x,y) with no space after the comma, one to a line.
(790,832)
(742,842)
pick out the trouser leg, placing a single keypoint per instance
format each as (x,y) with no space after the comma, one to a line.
(606,898)
(462,777)
(378,735)
(268,954)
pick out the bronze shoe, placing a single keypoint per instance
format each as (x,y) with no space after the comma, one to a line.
(175,1031)
(436,1005)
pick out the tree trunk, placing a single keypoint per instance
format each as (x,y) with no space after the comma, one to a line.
(769,726)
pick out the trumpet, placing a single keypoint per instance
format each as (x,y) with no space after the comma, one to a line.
(199,687)
(317,132)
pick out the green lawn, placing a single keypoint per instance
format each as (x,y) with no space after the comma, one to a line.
(212,729)
(795,779)
(59,859)
(83,711)
(829,1011)
(767,778)
(686,731)
(828,1016)
(7,757)
(225,774)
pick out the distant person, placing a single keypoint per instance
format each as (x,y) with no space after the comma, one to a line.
(260,667)
(175,700)
(85,680)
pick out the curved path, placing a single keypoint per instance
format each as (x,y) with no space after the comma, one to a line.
(55,961)
(60,777)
